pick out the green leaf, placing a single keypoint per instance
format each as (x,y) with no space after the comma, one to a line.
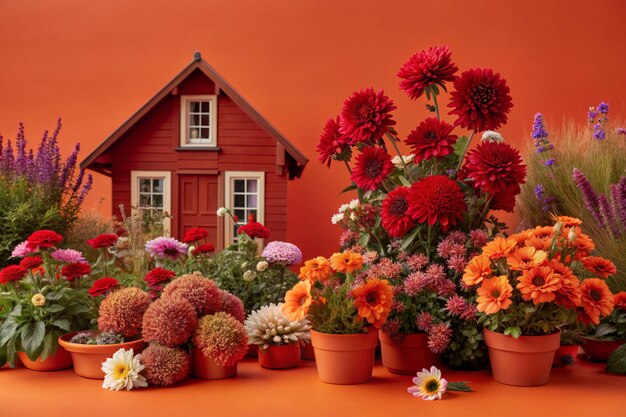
(617,361)
(515,332)
(364,239)
(63,324)
(54,296)
(460,144)
(32,337)
(7,333)
(348,189)
(604,329)
(404,181)
(54,308)
(408,239)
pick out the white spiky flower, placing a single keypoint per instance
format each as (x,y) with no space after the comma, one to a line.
(336,218)
(397,161)
(343,208)
(491,136)
(353,204)
(269,326)
(221,212)
(122,371)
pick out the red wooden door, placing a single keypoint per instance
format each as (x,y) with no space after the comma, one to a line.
(197,204)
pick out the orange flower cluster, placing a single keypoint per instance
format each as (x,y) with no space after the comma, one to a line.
(537,262)
(373,298)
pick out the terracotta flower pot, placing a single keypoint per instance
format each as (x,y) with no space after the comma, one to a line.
(525,361)
(88,359)
(565,355)
(599,350)
(57,362)
(253,351)
(206,368)
(307,353)
(280,356)
(345,358)
(408,357)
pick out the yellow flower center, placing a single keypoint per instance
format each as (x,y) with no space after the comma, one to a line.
(120,371)
(430,386)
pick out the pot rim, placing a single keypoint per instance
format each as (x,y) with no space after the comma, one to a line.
(345,342)
(83,348)
(523,344)
(595,339)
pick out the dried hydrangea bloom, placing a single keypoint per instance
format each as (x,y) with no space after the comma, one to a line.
(164,366)
(122,311)
(169,321)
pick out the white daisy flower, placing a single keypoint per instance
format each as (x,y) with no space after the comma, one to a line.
(122,371)
(429,385)
(336,218)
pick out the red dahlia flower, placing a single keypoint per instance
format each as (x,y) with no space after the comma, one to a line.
(437,199)
(103,241)
(496,168)
(43,239)
(432,138)
(195,234)
(158,275)
(481,100)
(371,168)
(426,68)
(366,116)
(75,270)
(332,144)
(207,248)
(254,229)
(12,273)
(395,219)
(31,262)
(103,285)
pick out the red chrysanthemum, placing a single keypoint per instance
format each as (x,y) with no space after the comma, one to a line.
(254,229)
(371,168)
(76,270)
(31,262)
(366,116)
(12,273)
(481,100)
(619,300)
(432,138)
(395,219)
(206,248)
(43,239)
(158,275)
(102,285)
(505,199)
(426,68)
(496,168)
(195,234)
(437,199)
(103,241)
(332,144)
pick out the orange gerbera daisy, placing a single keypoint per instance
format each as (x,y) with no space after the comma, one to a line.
(316,269)
(373,299)
(583,244)
(539,284)
(297,301)
(543,232)
(476,270)
(569,293)
(494,294)
(619,300)
(346,262)
(538,243)
(521,237)
(526,258)
(569,221)
(596,299)
(599,266)
(499,247)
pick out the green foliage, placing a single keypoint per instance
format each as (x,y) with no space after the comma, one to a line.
(89,224)
(617,361)
(338,314)
(612,327)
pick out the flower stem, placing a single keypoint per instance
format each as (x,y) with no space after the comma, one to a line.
(436,105)
(392,139)
(462,156)
(348,166)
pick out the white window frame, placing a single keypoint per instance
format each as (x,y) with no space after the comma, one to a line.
(135,176)
(184,121)
(229,176)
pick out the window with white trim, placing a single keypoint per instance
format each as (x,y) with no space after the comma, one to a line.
(151,195)
(198,121)
(245,196)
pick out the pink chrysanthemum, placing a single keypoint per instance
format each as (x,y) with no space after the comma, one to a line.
(386,268)
(392,329)
(436,272)
(202,293)
(445,287)
(122,311)
(366,116)
(478,238)
(164,366)
(424,320)
(470,312)
(457,263)
(169,321)
(22,250)
(284,253)
(456,236)
(456,305)
(68,256)
(416,262)
(221,337)
(233,306)
(415,283)
(348,238)
(397,306)
(166,248)
(370,257)
(447,249)
(439,336)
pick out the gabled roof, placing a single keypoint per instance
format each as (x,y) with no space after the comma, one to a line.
(221,84)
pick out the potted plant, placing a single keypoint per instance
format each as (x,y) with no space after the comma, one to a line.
(45,296)
(345,314)
(278,338)
(119,327)
(529,285)
(568,350)
(610,334)
(424,215)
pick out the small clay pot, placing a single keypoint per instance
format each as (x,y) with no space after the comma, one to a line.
(59,361)
(565,356)
(599,350)
(408,357)
(206,368)
(280,356)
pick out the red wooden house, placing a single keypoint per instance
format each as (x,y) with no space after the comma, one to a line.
(198,145)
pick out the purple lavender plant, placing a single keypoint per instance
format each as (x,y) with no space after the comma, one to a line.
(602,113)
(545,200)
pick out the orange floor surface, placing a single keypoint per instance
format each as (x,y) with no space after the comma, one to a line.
(581,390)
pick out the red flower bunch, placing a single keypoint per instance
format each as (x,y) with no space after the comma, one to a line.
(158,275)
(75,270)
(432,138)
(254,230)
(12,273)
(103,241)
(395,218)
(206,248)
(481,100)
(497,169)
(371,168)
(437,199)
(31,262)
(43,239)
(103,285)
(427,68)
(332,144)
(195,234)
(366,116)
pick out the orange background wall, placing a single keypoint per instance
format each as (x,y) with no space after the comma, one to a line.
(95,63)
